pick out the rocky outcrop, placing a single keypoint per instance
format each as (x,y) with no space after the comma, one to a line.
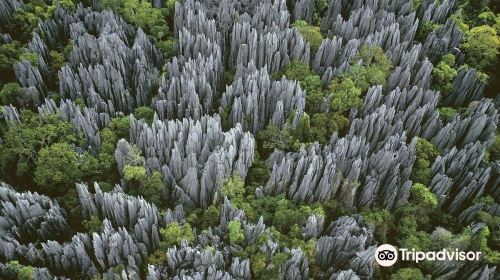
(255,101)
(348,246)
(193,156)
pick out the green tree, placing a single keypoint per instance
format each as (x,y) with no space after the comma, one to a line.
(94,224)
(482,47)
(447,113)
(120,126)
(311,34)
(370,67)
(309,82)
(57,166)
(9,54)
(22,143)
(57,60)
(258,174)
(444,74)
(381,221)
(409,221)
(211,217)
(423,197)
(11,93)
(233,187)
(22,24)
(106,155)
(471,9)
(303,130)
(134,173)
(426,154)
(325,124)
(345,95)
(168,47)
(424,30)
(173,234)
(236,234)
(314,101)
(30,57)
(23,272)
(274,138)
(408,274)
(145,113)
(495,149)
(152,188)
(158,257)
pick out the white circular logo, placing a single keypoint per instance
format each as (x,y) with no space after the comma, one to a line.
(386,255)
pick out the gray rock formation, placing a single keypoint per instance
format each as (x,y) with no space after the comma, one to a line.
(348,246)
(459,176)
(194,156)
(255,101)
(346,169)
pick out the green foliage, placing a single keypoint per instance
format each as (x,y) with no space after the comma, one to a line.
(447,113)
(480,242)
(211,217)
(233,187)
(107,151)
(424,30)
(495,149)
(444,74)
(314,101)
(23,23)
(321,6)
(303,130)
(471,9)
(158,257)
(381,220)
(229,76)
(409,221)
(408,274)
(325,124)
(236,233)
(288,214)
(371,67)
(258,264)
(120,126)
(259,173)
(274,138)
(9,54)
(94,224)
(426,154)
(141,14)
(57,165)
(489,237)
(67,4)
(482,47)
(309,81)
(345,95)
(174,233)
(22,143)
(30,57)
(295,70)
(422,196)
(23,272)
(134,173)
(145,113)
(57,60)
(10,93)
(151,188)
(168,47)
(311,34)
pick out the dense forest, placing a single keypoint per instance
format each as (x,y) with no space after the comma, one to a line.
(248,139)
